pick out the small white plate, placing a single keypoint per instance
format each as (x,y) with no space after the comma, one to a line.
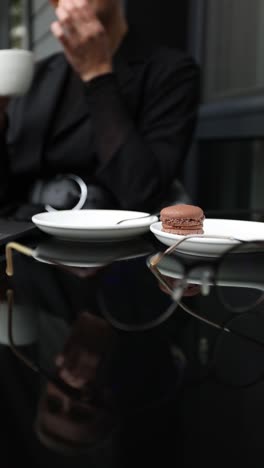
(201,246)
(93,225)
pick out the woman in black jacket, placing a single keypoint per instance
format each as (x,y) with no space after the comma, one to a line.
(111,110)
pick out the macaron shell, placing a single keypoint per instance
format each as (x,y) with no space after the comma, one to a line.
(182,211)
(183,232)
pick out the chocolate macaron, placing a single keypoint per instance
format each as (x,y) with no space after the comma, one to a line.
(182,219)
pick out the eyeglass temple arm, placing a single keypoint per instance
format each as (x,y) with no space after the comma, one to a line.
(220,327)
(152,265)
(9,257)
(26,251)
(204,236)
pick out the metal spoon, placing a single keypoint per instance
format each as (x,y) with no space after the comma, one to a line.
(139,217)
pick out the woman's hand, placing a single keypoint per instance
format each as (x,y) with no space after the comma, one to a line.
(84,38)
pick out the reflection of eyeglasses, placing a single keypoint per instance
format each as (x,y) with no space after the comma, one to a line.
(65,388)
(82,397)
(73,393)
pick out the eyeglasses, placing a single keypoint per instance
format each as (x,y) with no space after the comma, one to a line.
(240,269)
(237,274)
(135,318)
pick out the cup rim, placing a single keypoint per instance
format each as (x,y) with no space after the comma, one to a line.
(16,51)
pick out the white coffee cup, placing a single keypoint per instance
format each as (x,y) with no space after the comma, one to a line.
(16,71)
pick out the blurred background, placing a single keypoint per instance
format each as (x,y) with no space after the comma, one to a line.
(225,167)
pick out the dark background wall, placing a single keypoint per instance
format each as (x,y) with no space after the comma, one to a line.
(4,24)
(164,21)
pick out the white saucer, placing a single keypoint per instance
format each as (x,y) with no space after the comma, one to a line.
(93,225)
(201,246)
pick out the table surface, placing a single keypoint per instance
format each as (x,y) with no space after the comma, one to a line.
(95,374)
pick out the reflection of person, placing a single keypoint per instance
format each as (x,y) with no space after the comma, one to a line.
(109,108)
(73,426)
(128,382)
(78,363)
(120,379)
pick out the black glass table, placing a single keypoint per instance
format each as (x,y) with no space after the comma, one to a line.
(96,373)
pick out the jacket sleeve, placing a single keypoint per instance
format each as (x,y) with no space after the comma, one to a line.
(4,174)
(139,160)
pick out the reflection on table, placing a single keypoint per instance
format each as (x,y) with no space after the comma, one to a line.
(93,377)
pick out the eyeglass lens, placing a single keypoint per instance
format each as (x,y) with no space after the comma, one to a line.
(240,276)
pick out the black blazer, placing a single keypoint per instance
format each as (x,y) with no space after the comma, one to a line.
(128,131)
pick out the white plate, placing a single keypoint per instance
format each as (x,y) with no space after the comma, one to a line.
(93,225)
(243,230)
